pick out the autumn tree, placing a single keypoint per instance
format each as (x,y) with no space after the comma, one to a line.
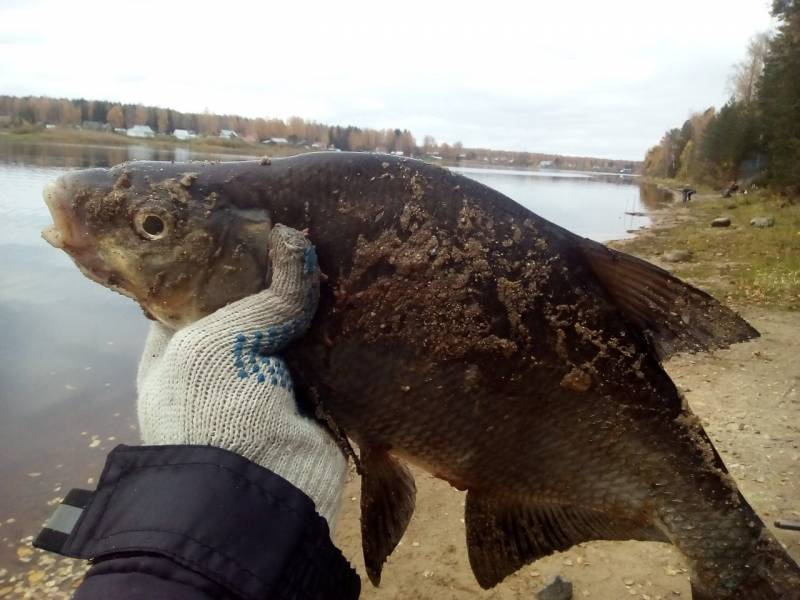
(41,109)
(163,121)
(115,118)
(209,123)
(429,144)
(746,73)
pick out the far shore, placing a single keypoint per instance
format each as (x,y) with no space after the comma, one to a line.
(204,144)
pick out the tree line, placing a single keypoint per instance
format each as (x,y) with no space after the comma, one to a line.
(755,136)
(94,114)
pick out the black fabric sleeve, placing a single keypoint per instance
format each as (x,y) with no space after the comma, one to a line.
(197,522)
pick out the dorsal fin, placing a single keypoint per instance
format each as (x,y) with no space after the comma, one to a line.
(674,315)
(503,536)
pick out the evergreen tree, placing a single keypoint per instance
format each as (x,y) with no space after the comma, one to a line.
(779,98)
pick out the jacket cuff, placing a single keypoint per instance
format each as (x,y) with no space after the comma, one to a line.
(210,510)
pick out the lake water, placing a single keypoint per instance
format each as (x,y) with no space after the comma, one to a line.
(70,347)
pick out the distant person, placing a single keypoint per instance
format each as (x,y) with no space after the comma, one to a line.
(733,187)
(688,193)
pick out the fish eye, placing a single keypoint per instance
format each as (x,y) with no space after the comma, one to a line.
(150,226)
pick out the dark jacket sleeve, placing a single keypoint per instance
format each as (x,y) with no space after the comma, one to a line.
(197,522)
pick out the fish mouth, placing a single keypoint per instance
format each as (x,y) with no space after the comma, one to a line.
(68,234)
(65,233)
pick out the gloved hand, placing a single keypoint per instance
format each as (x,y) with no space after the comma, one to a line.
(219,381)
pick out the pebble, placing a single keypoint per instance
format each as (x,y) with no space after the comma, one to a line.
(25,553)
(35,576)
(677,256)
(762,222)
(557,589)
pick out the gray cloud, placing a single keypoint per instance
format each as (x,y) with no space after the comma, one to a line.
(587,79)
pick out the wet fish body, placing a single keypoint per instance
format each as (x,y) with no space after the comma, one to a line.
(459,331)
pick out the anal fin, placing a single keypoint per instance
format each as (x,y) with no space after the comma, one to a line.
(388,495)
(504,535)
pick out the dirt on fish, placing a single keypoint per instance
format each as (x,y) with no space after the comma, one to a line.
(748,399)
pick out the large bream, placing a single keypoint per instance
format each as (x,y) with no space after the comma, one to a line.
(458,331)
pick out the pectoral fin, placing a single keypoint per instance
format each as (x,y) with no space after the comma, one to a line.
(503,535)
(388,494)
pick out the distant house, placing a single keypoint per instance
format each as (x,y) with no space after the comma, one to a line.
(141,131)
(95,126)
(546,164)
(275,141)
(184,134)
(228,134)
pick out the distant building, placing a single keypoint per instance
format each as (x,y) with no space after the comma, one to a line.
(95,126)
(275,141)
(546,164)
(184,134)
(141,131)
(318,146)
(228,134)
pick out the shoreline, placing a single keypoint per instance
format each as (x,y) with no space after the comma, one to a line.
(741,264)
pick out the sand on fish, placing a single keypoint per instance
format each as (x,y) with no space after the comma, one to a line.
(748,398)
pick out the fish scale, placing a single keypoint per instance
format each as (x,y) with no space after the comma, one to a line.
(461,332)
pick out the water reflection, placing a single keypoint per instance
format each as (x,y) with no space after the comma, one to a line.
(653,197)
(592,205)
(79,156)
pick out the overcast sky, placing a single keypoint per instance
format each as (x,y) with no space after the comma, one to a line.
(580,77)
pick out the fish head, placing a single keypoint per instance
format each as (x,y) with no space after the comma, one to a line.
(152,232)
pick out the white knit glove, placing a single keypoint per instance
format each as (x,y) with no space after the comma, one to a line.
(219,381)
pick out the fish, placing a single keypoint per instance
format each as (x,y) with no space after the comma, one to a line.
(460,332)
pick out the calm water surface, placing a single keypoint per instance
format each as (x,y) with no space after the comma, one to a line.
(70,347)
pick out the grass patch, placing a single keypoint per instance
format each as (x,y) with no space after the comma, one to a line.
(740,264)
